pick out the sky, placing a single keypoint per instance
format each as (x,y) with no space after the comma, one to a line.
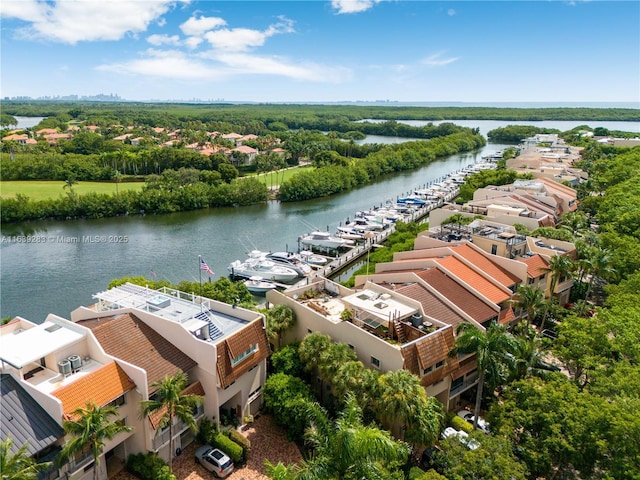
(323,50)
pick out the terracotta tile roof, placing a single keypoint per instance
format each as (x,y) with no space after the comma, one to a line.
(428,351)
(129,338)
(485,264)
(236,344)
(456,293)
(506,316)
(535,265)
(155,417)
(433,306)
(473,279)
(100,386)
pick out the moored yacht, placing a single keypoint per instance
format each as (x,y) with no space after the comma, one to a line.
(324,240)
(254,267)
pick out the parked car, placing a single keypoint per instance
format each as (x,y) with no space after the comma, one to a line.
(214,460)
(463,437)
(469,416)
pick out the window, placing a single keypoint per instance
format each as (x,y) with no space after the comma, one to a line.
(117,402)
(427,370)
(530,281)
(494,249)
(249,351)
(542,277)
(375,362)
(440,364)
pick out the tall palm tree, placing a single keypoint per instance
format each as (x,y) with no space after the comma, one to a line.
(600,266)
(349,449)
(279,319)
(492,347)
(89,428)
(399,398)
(19,465)
(529,299)
(172,403)
(560,266)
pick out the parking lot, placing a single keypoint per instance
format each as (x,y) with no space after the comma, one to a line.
(268,442)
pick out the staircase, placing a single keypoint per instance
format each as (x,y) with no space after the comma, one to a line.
(214,331)
(399,328)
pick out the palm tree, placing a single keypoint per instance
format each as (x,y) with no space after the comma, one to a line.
(600,265)
(172,403)
(279,319)
(492,348)
(527,357)
(349,449)
(19,465)
(89,428)
(399,398)
(560,266)
(529,299)
(280,471)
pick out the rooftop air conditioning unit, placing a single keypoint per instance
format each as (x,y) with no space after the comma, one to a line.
(76,362)
(416,320)
(64,367)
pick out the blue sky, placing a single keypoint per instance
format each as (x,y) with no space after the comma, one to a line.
(323,51)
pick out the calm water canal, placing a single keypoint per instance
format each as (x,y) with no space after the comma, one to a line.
(76,259)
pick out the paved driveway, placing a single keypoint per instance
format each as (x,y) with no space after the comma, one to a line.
(268,442)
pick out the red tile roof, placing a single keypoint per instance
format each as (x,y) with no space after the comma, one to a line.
(535,265)
(458,294)
(156,417)
(433,306)
(129,338)
(242,341)
(428,351)
(474,279)
(100,386)
(485,264)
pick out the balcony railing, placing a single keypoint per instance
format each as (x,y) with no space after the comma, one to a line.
(468,382)
(179,427)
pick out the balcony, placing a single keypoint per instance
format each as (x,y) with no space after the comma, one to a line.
(457,388)
(162,438)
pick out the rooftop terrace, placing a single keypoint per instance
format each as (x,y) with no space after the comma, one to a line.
(190,310)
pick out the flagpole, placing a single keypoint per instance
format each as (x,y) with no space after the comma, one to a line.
(200,270)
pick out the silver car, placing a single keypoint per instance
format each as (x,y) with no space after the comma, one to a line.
(214,460)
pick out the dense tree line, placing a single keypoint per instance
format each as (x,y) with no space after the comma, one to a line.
(516,133)
(156,198)
(337,178)
(277,112)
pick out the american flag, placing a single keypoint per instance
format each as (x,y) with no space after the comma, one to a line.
(205,267)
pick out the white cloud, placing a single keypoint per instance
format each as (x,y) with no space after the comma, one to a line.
(243,39)
(451,12)
(71,22)
(193,42)
(437,60)
(211,66)
(163,39)
(166,64)
(353,6)
(197,26)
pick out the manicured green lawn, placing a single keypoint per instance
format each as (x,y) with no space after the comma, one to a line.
(43,189)
(275,178)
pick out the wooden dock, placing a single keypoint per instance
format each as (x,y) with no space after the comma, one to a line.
(353,254)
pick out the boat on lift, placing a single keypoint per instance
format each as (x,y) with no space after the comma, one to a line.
(320,239)
(259,285)
(313,259)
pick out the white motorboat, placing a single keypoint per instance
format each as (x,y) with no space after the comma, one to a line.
(313,259)
(324,240)
(259,285)
(291,260)
(254,267)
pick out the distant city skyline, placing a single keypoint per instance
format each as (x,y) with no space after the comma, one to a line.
(340,51)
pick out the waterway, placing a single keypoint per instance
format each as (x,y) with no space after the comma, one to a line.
(65,263)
